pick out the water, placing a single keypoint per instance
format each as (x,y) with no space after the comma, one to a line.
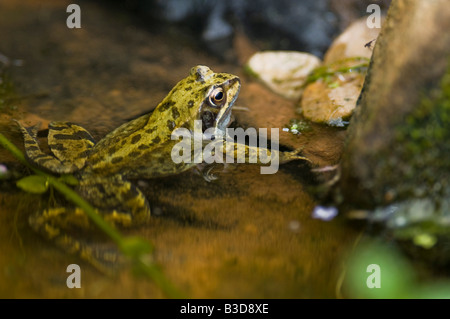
(245,235)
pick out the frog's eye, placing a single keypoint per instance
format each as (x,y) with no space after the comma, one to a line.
(217,97)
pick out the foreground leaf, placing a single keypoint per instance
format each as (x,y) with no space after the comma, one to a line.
(34,184)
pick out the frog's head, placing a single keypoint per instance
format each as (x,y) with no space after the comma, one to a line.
(219,91)
(202,95)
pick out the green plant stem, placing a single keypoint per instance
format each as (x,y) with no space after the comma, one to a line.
(67,192)
(88,209)
(13,149)
(151,271)
(160,279)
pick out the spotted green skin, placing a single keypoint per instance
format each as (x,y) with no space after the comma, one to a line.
(140,148)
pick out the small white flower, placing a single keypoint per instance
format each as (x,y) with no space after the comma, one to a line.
(324,213)
(3,170)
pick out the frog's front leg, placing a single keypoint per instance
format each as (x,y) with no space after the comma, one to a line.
(118,201)
(234,152)
(228,151)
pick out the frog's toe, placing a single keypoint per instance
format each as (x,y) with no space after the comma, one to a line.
(208,176)
(293,155)
(31,130)
(206,171)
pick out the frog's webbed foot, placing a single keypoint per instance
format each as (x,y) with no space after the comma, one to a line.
(293,155)
(118,201)
(208,175)
(35,154)
(69,143)
(205,171)
(209,171)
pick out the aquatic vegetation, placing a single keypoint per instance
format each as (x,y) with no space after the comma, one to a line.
(297,126)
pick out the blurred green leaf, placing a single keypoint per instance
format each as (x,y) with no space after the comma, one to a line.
(425,240)
(34,184)
(370,260)
(435,291)
(69,179)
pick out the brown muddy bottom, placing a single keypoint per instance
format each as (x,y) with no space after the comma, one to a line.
(245,235)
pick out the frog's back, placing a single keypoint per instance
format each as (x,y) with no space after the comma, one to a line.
(142,147)
(130,148)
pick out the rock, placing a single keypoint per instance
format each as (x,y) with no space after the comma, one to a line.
(397,151)
(284,72)
(352,42)
(332,98)
(265,109)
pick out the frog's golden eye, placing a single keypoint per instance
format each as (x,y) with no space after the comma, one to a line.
(217,97)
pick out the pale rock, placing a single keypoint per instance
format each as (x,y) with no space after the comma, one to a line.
(357,40)
(333,99)
(284,72)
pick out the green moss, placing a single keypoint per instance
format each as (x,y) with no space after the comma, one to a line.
(249,71)
(417,171)
(328,73)
(424,138)
(297,126)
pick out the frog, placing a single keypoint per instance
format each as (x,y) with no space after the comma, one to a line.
(106,171)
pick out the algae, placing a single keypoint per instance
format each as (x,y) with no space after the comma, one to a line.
(417,171)
(328,73)
(425,150)
(296,126)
